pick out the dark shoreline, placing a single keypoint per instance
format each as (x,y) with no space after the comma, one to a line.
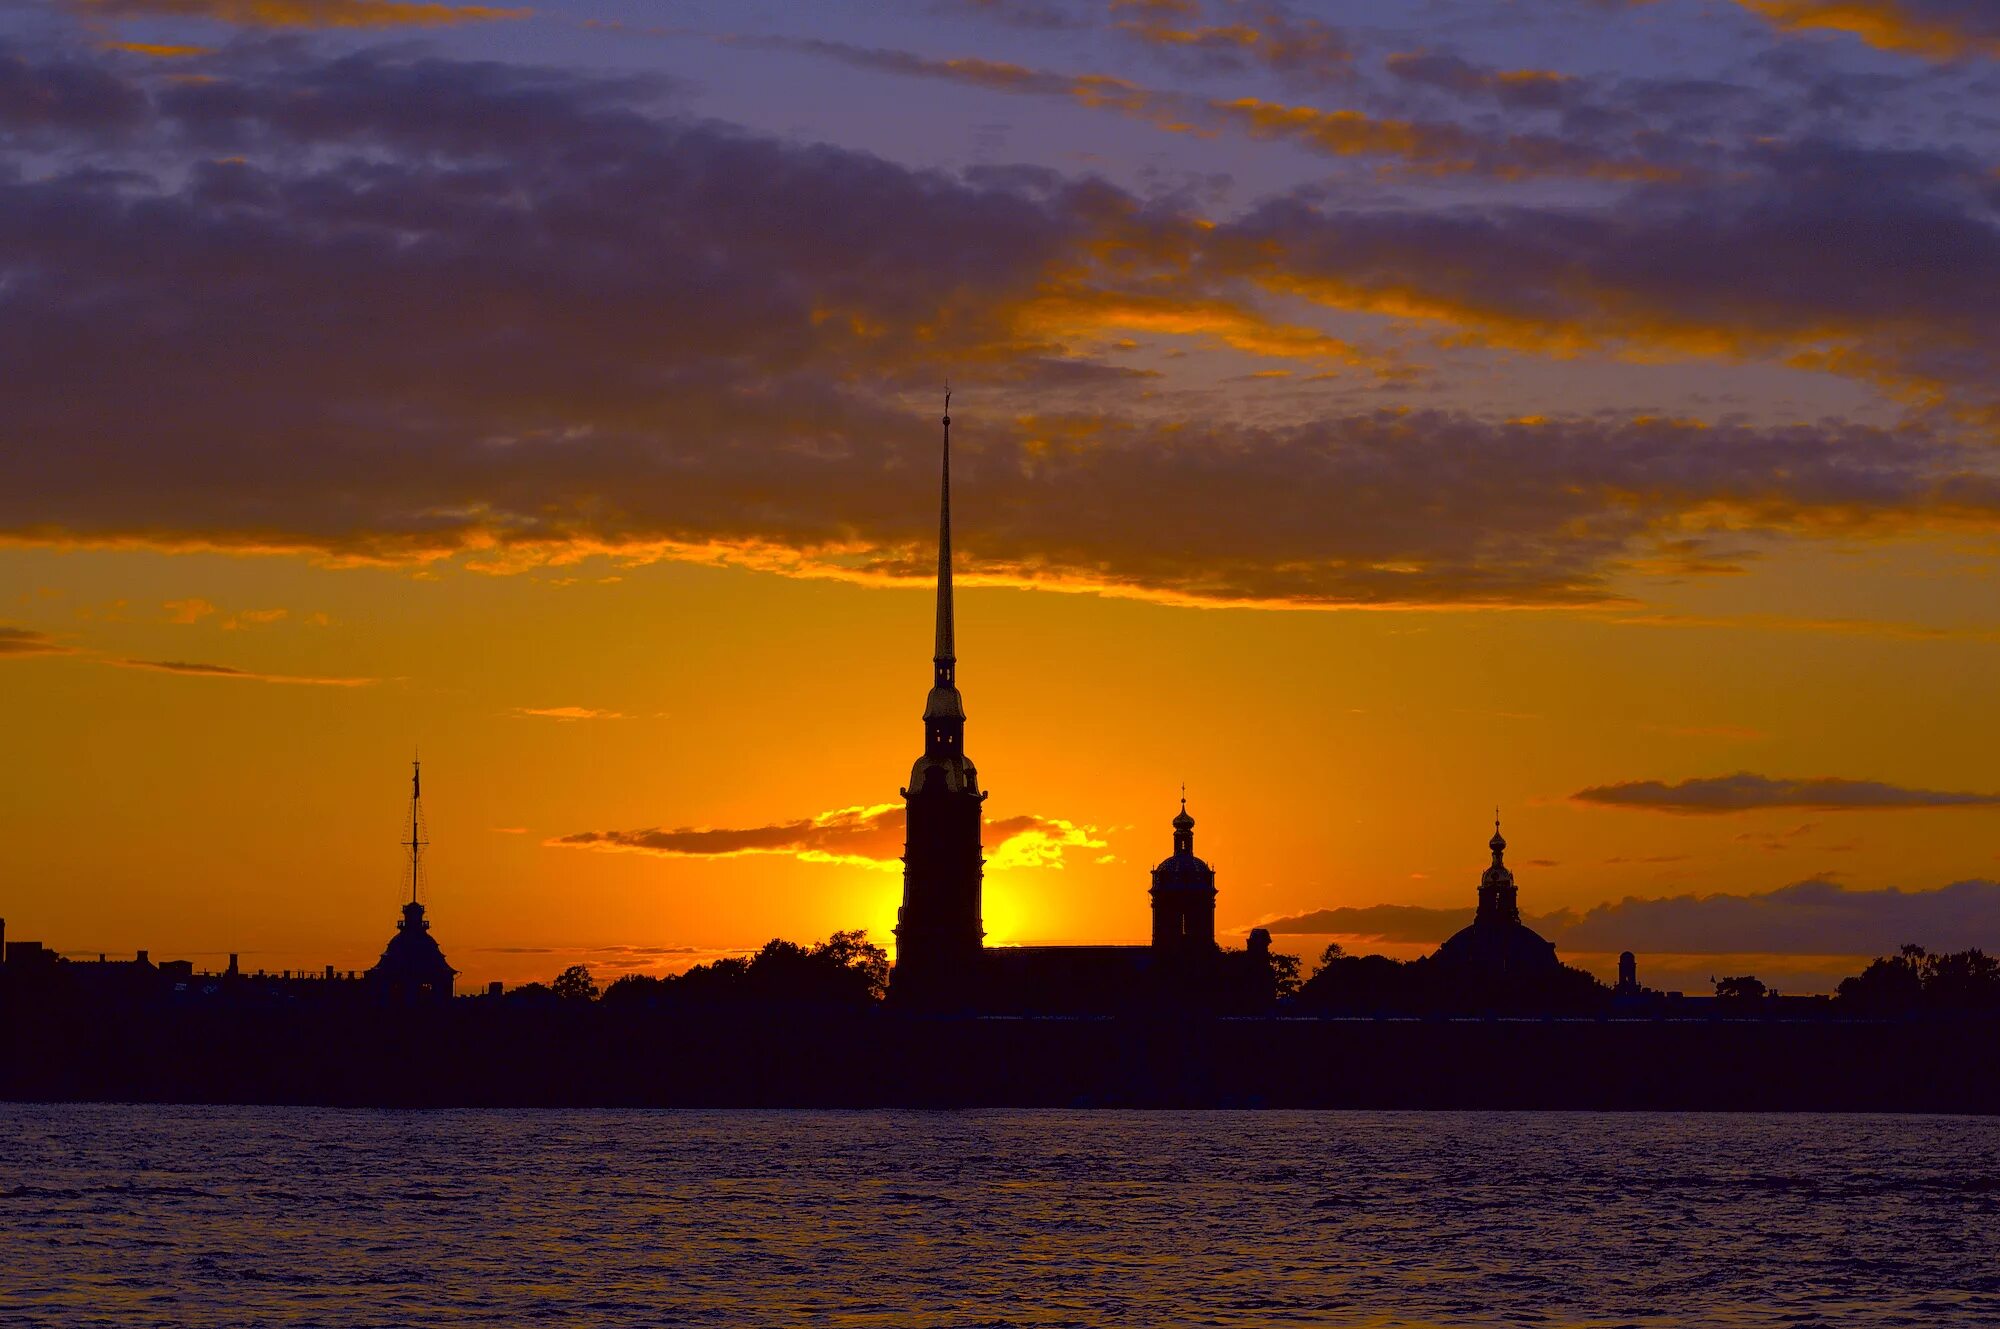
(473,1055)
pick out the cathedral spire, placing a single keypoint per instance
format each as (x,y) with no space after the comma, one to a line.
(944,710)
(946,653)
(938,929)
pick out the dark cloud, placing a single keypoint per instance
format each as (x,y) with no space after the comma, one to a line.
(1745,792)
(403,308)
(63,94)
(1040,15)
(196,669)
(872,833)
(869,836)
(29,641)
(1240,34)
(1192,38)
(601,950)
(1428,147)
(1865,262)
(1377,922)
(1806,918)
(1524,89)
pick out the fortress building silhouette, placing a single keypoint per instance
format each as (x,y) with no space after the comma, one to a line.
(413,967)
(942,961)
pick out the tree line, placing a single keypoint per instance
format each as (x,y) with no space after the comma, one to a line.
(848,970)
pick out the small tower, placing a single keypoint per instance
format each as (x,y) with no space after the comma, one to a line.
(413,966)
(1183,896)
(1497,944)
(1628,974)
(939,933)
(1496,886)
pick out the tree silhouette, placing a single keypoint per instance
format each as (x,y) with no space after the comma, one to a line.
(1740,991)
(1914,980)
(575,984)
(844,970)
(1284,975)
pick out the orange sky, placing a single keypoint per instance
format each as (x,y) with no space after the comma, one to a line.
(1366,425)
(1332,758)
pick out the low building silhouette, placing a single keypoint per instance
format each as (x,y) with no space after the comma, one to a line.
(1182,966)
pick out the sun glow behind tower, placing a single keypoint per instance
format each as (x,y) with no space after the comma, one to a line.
(938,930)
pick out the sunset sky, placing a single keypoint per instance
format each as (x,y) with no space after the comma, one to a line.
(1367,413)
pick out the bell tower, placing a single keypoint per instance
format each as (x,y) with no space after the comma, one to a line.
(1497,902)
(1183,896)
(939,932)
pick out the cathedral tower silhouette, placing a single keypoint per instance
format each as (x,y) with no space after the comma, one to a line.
(939,933)
(1184,897)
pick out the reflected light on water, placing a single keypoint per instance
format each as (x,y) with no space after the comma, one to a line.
(116,1215)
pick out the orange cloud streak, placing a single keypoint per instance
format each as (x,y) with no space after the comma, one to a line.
(300,14)
(159,50)
(1890,25)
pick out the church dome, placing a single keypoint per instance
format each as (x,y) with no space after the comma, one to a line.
(413,960)
(1184,870)
(1181,870)
(951,771)
(1498,943)
(1499,948)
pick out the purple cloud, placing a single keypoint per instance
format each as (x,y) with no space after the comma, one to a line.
(1746,792)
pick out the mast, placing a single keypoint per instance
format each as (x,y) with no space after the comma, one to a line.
(416,843)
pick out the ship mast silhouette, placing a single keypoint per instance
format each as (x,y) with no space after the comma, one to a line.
(412,965)
(417,842)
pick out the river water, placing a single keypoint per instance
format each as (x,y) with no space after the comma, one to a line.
(119,1215)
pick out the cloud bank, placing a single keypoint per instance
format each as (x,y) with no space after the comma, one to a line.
(1745,792)
(29,641)
(1806,918)
(515,315)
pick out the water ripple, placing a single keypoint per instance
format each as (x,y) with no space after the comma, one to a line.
(120,1216)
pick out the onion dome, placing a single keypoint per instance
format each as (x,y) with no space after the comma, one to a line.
(1181,869)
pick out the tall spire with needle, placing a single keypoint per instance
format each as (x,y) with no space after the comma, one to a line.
(945,656)
(938,929)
